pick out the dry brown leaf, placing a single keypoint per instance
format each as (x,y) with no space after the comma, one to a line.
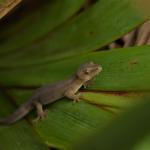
(7,5)
(137,37)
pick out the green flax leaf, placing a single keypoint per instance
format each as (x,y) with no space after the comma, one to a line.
(123,70)
(38,23)
(91,30)
(67,122)
(19,136)
(127,132)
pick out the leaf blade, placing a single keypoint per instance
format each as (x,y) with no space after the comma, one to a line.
(89,31)
(123,70)
(20,136)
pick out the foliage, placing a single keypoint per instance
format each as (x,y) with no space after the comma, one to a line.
(48,43)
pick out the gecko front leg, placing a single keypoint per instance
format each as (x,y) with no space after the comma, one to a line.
(71,95)
(41,114)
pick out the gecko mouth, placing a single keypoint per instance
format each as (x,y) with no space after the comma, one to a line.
(97,69)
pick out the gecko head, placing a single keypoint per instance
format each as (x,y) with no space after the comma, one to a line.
(88,70)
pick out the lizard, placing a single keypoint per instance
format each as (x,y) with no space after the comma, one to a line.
(50,93)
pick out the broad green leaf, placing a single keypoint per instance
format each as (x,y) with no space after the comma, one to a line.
(123,133)
(19,136)
(67,122)
(144,144)
(123,70)
(91,30)
(38,23)
(112,100)
(49,45)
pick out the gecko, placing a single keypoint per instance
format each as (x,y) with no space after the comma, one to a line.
(50,93)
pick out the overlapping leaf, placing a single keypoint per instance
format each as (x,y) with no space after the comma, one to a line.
(45,47)
(67,122)
(126,132)
(89,31)
(37,24)
(18,136)
(123,70)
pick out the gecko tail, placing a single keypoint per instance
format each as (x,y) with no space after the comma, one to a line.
(18,114)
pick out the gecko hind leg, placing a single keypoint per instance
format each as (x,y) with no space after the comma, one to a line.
(41,114)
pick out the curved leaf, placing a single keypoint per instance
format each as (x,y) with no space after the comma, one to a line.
(91,30)
(124,133)
(67,122)
(38,23)
(20,136)
(123,70)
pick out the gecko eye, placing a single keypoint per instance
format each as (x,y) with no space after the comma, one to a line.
(86,71)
